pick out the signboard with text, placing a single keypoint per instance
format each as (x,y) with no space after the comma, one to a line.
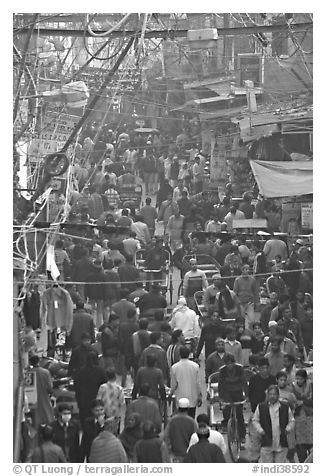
(307,216)
(55,130)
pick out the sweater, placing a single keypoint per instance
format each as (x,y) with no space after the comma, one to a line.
(106,448)
(204,452)
(151,450)
(245,288)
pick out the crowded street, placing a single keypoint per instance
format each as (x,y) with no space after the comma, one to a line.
(163,238)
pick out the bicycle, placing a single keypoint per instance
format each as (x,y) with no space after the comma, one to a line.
(233,433)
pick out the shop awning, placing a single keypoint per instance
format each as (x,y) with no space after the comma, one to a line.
(283,179)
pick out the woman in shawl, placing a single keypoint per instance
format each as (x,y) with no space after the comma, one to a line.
(302,390)
(131,434)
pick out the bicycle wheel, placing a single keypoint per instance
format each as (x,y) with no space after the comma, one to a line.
(233,439)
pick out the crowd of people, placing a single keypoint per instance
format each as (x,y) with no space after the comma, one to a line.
(254,323)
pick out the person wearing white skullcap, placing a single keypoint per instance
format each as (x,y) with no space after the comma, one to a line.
(185,319)
(178,432)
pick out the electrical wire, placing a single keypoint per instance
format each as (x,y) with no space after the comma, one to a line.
(106,33)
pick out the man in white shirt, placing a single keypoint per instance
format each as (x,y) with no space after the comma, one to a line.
(214,225)
(141,230)
(185,381)
(177,192)
(215,437)
(273,421)
(198,174)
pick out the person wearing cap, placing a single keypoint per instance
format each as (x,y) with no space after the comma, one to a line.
(106,447)
(215,436)
(194,280)
(204,451)
(178,431)
(47,451)
(185,381)
(266,311)
(66,434)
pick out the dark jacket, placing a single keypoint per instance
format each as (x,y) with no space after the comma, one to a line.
(90,431)
(228,272)
(161,360)
(82,323)
(48,452)
(213,363)
(266,424)
(149,450)
(96,291)
(78,359)
(148,410)
(209,334)
(72,442)
(110,343)
(231,385)
(204,452)
(178,433)
(127,273)
(126,331)
(151,301)
(87,382)
(81,269)
(257,388)
(154,377)
(163,193)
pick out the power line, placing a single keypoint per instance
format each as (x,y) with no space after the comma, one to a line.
(169,33)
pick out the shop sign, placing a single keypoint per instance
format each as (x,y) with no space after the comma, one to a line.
(30,387)
(55,130)
(307,216)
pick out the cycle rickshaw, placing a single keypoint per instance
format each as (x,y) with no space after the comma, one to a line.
(214,406)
